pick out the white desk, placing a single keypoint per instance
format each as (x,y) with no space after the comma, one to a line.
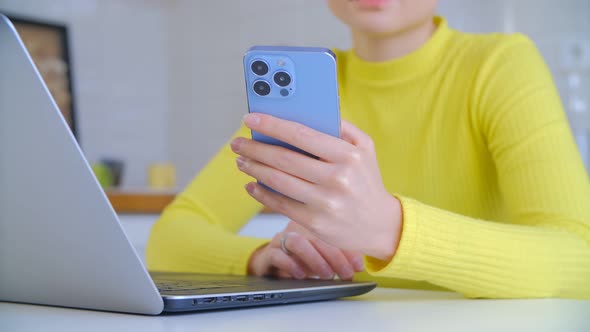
(381,310)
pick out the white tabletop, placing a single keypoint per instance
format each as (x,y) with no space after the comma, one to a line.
(380,310)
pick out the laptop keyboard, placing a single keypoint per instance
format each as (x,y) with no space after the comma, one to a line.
(187,285)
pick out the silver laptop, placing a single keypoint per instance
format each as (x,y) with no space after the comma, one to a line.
(62,244)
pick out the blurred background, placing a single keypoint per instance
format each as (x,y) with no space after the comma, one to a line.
(160,82)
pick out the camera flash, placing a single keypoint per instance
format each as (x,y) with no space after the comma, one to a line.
(280,62)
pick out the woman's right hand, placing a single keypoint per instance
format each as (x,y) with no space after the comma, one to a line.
(309,257)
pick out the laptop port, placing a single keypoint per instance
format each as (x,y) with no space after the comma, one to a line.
(209,300)
(258,297)
(242,298)
(225,299)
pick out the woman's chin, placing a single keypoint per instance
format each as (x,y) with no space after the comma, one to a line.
(376,26)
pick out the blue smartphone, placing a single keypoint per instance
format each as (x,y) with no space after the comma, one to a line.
(293,83)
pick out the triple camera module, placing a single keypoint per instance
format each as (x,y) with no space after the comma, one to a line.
(263,88)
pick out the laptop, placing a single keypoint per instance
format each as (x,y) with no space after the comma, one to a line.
(61,242)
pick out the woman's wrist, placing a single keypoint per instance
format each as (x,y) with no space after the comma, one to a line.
(386,240)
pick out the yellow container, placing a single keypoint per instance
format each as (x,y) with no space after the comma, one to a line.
(162,176)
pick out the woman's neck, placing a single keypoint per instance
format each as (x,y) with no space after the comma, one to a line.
(379,48)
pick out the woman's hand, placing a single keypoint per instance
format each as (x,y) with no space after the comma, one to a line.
(339,198)
(306,257)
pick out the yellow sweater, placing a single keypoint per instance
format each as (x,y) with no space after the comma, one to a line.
(472,138)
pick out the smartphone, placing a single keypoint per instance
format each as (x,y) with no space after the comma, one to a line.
(293,83)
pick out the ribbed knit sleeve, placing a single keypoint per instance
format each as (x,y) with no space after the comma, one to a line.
(197,231)
(542,248)
(487,259)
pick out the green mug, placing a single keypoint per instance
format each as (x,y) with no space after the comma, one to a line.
(103,174)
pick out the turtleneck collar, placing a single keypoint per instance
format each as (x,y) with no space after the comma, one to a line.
(405,67)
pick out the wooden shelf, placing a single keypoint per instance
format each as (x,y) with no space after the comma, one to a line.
(143,202)
(140,201)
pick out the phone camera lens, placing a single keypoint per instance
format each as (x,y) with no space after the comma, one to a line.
(261,88)
(281,78)
(259,67)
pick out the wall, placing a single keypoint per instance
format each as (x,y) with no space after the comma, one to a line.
(120,66)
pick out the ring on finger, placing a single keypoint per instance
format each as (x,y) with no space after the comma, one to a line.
(284,244)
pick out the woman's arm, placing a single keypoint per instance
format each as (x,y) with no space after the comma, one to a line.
(197,231)
(543,248)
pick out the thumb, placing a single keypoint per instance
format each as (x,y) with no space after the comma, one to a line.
(353,135)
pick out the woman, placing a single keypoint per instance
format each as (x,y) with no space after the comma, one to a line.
(459,172)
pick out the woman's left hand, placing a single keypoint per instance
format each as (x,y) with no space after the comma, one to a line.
(340,197)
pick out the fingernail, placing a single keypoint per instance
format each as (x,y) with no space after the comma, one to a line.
(250,188)
(299,274)
(251,119)
(235,144)
(240,161)
(347,274)
(327,273)
(359,265)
